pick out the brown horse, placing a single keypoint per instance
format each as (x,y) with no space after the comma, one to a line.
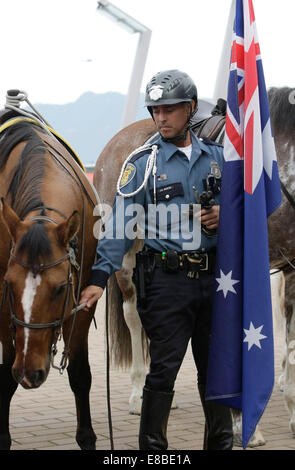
(47,248)
(125,327)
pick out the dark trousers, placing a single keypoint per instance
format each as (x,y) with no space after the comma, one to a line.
(177,309)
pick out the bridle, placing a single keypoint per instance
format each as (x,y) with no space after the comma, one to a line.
(69,256)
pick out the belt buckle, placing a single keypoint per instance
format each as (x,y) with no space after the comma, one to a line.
(197,262)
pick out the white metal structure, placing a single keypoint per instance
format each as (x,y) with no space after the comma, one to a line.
(133,26)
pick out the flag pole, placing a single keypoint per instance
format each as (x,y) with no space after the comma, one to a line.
(220,90)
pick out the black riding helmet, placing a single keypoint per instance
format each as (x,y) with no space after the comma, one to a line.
(171,87)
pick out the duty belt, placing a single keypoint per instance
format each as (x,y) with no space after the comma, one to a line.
(195,263)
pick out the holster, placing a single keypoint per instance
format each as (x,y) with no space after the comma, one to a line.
(143,274)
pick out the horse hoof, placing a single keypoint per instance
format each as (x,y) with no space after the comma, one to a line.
(134,412)
(135,408)
(89,447)
(292,427)
(86,439)
(135,405)
(174,405)
(254,442)
(5,442)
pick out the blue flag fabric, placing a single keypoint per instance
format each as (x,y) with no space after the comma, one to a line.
(241,357)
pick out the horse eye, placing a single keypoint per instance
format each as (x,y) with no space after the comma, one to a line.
(59,290)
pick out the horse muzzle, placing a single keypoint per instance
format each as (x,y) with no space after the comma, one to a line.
(34,380)
(30,378)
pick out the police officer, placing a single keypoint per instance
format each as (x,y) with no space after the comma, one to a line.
(175,272)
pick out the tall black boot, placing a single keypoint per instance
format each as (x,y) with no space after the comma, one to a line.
(154,416)
(219,427)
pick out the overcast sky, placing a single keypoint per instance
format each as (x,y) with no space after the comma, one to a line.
(58,49)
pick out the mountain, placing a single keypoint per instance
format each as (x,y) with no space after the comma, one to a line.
(90,122)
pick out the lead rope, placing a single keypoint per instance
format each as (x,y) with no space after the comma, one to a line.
(108,370)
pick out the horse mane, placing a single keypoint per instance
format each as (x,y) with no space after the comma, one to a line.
(35,243)
(282,111)
(25,185)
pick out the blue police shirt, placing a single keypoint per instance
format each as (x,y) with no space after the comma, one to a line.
(176,180)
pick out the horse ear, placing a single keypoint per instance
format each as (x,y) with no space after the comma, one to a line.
(11,219)
(68,229)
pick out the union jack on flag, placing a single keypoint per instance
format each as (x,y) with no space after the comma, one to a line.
(241,358)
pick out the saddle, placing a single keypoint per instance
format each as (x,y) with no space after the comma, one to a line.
(212,127)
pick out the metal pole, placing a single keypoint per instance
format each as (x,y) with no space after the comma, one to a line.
(132,98)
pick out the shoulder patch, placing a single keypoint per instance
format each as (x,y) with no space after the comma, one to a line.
(128,174)
(210,142)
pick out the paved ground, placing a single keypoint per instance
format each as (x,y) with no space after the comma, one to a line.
(44,419)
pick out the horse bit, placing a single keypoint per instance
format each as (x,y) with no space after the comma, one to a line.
(37,269)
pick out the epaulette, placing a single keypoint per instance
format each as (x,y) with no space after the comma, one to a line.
(141,153)
(209,141)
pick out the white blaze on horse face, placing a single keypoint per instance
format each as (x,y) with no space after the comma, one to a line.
(32,282)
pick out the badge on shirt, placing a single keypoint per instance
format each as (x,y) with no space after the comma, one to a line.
(128,175)
(215,170)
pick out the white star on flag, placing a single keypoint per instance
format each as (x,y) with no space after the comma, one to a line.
(226,283)
(253,336)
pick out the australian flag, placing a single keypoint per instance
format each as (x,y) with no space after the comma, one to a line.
(241,358)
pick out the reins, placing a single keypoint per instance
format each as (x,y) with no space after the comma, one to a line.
(108,369)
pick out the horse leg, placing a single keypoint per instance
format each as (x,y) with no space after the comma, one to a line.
(138,368)
(256,440)
(289,389)
(279,322)
(7,389)
(133,322)
(282,377)
(80,381)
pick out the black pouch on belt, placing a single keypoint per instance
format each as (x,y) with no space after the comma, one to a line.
(171,261)
(143,274)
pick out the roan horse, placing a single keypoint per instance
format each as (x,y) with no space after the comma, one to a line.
(47,248)
(128,341)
